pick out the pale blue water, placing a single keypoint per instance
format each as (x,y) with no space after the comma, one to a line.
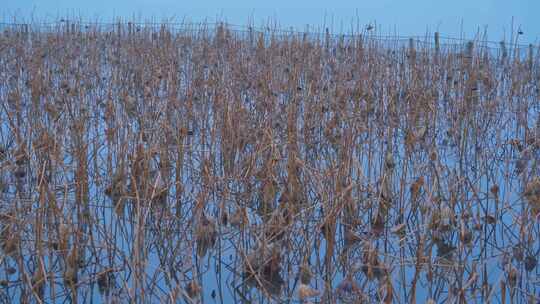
(219,271)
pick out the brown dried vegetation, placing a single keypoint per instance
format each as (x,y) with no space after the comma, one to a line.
(150,163)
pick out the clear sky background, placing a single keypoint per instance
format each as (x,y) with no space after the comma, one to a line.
(404,17)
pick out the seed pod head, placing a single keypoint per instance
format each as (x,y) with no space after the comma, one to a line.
(205,234)
(389,161)
(512,275)
(70,277)
(193,289)
(517,253)
(305,274)
(105,281)
(306,292)
(531,194)
(530,263)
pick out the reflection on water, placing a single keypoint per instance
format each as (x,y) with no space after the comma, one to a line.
(151,164)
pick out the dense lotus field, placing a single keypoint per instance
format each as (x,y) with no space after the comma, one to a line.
(159,163)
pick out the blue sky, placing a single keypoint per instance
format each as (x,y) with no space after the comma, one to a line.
(407,17)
